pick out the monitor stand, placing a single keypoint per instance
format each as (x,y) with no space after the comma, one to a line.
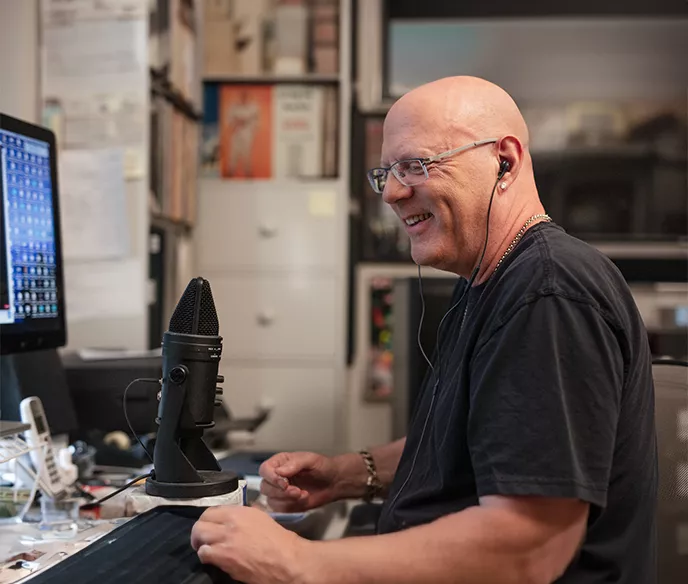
(40,374)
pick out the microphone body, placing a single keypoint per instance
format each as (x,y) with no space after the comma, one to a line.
(184,467)
(196,357)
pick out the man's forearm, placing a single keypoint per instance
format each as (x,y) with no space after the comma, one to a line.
(475,546)
(353,473)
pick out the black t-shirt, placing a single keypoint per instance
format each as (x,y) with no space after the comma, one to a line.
(545,389)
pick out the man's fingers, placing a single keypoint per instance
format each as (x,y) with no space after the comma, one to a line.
(293,505)
(283,506)
(206,554)
(291,493)
(206,533)
(222,514)
(298,462)
(269,473)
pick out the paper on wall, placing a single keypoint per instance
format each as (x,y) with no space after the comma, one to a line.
(103,289)
(95,73)
(93,204)
(91,57)
(65,12)
(322,203)
(96,121)
(134,163)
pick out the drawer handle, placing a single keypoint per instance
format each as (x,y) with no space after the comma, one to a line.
(267,231)
(265,318)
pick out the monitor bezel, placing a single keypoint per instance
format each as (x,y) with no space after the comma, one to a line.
(18,341)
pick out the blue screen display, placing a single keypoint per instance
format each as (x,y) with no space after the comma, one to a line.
(28,228)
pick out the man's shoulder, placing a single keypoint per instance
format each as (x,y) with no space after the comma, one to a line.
(552,262)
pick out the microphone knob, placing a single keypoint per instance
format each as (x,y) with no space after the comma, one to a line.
(177,374)
(220,378)
(218,391)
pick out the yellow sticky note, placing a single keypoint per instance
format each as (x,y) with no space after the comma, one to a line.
(322,203)
(133,163)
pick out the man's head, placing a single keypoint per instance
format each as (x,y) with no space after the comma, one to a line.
(442,116)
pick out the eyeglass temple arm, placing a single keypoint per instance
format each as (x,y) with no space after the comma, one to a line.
(460,149)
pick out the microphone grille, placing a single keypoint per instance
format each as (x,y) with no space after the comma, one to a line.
(208,323)
(195,313)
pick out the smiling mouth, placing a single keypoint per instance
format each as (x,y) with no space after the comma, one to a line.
(417,219)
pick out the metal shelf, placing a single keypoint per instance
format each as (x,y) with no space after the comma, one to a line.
(274,78)
(161,86)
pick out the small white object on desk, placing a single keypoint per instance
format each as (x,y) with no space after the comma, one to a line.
(138,501)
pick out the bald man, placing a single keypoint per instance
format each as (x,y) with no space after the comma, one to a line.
(531,456)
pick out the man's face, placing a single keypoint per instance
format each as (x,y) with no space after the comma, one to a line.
(452,201)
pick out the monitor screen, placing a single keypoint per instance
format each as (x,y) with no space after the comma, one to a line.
(31,293)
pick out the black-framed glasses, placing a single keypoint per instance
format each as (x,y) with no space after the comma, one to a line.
(414,171)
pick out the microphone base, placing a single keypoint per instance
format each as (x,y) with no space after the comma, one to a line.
(214,483)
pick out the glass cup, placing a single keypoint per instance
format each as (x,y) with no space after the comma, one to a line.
(59,518)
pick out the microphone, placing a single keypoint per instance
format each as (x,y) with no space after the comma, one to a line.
(184,467)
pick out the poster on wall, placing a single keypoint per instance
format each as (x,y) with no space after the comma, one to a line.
(246,131)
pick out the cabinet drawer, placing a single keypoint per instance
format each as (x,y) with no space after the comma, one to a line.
(303,402)
(276,315)
(267,225)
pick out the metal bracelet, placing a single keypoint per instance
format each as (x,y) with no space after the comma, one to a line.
(373,483)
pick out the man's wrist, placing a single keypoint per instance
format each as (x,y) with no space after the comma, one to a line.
(352,476)
(312,566)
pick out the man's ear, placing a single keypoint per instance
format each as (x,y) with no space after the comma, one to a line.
(510,152)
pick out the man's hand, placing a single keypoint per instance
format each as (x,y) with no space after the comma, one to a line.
(298,481)
(248,545)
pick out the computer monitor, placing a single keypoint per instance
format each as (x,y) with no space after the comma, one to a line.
(32,314)
(31,291)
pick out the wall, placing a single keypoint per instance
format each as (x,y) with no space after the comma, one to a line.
(19,59)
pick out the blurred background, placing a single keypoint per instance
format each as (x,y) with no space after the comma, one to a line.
(230,138)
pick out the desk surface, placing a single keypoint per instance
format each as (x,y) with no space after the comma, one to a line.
(24,553)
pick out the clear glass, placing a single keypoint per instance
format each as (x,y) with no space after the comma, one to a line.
(59,518)
(409,173)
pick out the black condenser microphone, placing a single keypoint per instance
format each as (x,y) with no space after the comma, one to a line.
(184,467)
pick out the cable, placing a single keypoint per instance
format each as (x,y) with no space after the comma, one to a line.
(422,316)
(126,416)
(437,343)
(465,291)
(117,492)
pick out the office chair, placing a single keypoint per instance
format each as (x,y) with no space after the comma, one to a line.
(671,413)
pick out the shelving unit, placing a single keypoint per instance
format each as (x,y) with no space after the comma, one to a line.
(175,56)
(317,78)
(162,86)
(275,252)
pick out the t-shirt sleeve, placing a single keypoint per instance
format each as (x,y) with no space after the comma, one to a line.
(544,403)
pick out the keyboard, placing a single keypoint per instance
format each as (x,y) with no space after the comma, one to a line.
(152,548)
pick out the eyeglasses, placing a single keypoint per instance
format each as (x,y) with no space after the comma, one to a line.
(414,171)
